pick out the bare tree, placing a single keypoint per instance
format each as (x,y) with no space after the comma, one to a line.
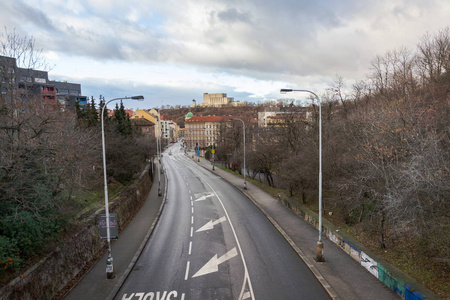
(23,49)
(434,59)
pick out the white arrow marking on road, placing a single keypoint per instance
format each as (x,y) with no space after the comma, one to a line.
(213,264)
(204,197)
(210,225)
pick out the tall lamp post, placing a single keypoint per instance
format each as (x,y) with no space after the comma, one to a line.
(243,128)
(158,154)
(319,250)
(109,260)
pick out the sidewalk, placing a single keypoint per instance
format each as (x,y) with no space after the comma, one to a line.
(340,275)
(125,251)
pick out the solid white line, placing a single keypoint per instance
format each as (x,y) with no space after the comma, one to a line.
(190,247)
(246,275)
(186,276)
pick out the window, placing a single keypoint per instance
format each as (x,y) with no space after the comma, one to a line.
(25,78)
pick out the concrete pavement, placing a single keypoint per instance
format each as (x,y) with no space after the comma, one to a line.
(341,276)
(125,251)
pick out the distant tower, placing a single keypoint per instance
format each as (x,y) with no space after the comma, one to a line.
(194,102)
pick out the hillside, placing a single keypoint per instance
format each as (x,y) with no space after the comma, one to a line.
(178,114)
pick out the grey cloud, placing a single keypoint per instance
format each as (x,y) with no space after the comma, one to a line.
(232,15)
(262,38)
(23,12)
(85,43)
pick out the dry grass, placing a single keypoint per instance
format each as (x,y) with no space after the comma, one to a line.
(404,254)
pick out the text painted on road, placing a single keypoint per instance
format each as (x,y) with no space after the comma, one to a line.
(173,295)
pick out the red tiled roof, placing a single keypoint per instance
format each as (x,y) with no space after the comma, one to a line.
(208,119)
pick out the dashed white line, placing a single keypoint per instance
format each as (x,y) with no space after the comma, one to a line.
(192,220)
(186,276)
(190,247)
(247,280)
(192,231)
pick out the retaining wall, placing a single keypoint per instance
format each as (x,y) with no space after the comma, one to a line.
(50,275)
(405,286)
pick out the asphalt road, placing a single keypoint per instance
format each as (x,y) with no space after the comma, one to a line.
(213,243)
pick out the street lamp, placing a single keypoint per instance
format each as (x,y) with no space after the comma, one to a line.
(243,128)
(109,260)
(158,154)
(319,251)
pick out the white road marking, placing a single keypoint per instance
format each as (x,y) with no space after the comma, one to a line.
(192,220)
(190,247)
(213,264)
(210,225)
(192,231)
(204,197)
(186,276)
(247,280)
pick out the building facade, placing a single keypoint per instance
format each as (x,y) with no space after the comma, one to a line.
(277,116)
(203,131)
(151,117)
(22,83)
(219,100)
(164,128)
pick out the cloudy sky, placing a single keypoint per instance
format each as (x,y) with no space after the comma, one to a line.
(173,51)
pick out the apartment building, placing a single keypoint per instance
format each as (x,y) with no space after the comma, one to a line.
(151,117)
(278,116)
(164,127)
(169,129)
(16,82)
(67,94)
(203,131)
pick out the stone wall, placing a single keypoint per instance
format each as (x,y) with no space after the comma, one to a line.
(50,275)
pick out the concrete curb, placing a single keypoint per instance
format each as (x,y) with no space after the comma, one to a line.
(297,250)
